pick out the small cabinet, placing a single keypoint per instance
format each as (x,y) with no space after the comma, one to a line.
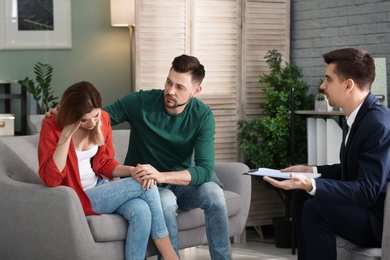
(265,205)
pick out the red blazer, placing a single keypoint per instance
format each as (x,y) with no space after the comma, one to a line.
(103,163)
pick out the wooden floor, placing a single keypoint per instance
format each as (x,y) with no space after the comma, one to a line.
(254,248)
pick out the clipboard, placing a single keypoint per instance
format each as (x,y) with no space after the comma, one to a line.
(278,174)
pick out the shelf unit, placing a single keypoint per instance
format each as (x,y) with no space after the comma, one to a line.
(8,96)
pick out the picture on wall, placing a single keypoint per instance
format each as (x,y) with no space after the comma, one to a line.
(35,24)
(35,15)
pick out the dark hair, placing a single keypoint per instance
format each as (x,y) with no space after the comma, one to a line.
(185,63)
(354,64)
(78,100)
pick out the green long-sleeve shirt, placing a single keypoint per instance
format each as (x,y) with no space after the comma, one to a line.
(167,141)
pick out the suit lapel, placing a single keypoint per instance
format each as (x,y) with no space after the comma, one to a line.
(360,115)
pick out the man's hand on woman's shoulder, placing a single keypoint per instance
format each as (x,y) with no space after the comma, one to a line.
(52,111)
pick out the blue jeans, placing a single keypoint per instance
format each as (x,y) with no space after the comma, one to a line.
(141,208)
(207,196)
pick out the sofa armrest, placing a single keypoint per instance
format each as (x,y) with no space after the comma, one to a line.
(386,228)
(43,223)
(230,174)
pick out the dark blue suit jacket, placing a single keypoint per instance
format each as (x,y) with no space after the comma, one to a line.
(366,165)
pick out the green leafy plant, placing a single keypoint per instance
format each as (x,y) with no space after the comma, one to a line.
(320,97)
(266,141)
(40,89)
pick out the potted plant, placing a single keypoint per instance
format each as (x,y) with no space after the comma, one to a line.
(265,141)
(41,91)
(321,103)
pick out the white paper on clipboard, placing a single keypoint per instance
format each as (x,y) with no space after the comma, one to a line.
(278,174)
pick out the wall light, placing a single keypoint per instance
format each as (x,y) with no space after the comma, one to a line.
(122,13)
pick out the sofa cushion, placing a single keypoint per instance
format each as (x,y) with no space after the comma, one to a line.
(195,218)
(19,158)
(233,202)
(214,178)
(107,227)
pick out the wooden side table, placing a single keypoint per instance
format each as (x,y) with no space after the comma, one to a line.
(8,97)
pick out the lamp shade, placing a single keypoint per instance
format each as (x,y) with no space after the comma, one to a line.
(122,12)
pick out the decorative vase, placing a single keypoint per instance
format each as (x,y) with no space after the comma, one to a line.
(320,105)
(35,123)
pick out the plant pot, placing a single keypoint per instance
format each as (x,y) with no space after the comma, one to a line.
(282,232)
(321,106)
(35,123)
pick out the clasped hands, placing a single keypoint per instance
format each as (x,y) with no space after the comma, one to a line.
(296,181)
(147,175)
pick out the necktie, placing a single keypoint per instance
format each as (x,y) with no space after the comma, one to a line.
(342,149)
(345,131)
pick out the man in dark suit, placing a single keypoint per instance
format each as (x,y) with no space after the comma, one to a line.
(348,199)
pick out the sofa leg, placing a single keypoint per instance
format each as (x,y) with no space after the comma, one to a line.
(240,239)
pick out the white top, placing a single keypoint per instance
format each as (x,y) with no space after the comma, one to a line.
(87,175)
(350,120)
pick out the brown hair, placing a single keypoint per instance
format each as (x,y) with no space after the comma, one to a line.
(185,63)
(354,64)
(78,100)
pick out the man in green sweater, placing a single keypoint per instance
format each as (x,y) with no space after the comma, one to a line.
(168,127)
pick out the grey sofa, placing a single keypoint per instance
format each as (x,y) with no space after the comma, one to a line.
(349,251)
(38,222)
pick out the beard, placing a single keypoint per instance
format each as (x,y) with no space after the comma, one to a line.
(170,102)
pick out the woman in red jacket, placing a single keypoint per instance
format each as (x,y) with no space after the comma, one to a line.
(76,150)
